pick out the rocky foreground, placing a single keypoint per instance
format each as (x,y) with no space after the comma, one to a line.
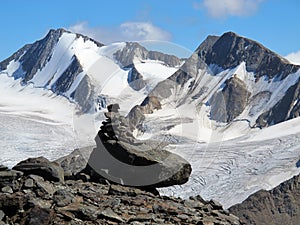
(37,192)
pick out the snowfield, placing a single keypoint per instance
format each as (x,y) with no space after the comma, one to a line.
(33,122)
(231,170)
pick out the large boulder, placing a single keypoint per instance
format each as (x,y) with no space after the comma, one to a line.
(10,178)
(121,158)
(43,167)
(75,162)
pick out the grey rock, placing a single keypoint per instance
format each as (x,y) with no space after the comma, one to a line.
(63,197)
(40,203)
(232,101)
(230,50)
(287,108)
(110,214)
(28,183)
(74,162)
(3,168)
(126,55)
(84,95)
(38,216)
(193,204)
(65,81)
(43,167)
(2,215)
(215,204)
(44,187)
(168,169)
(145,164)
(122,190)
(10,178)
(7,189)
(135,79)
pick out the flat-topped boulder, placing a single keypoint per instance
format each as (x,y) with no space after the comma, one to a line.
(41,166)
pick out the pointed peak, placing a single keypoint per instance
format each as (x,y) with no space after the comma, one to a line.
(231,49)
(207,43)
(230,34)
(56,32)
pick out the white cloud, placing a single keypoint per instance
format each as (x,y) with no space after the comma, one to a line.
(294,57)
(129,31)
(224,8)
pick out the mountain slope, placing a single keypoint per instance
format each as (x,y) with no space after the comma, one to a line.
(230,69)
(210,110)
(275,207)
(57,83)
(65,63)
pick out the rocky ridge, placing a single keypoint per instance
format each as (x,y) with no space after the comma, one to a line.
(275,207)
(204,77)
(33,199)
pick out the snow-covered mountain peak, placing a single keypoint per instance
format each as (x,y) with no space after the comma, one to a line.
(233,79)
(134,52)
(230,50)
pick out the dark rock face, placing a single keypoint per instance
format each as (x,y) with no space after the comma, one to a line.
(287,108)
(84,94)
(275,207)
(15,56)
(131,162)
(34,57)
(9,178)
(136,115)
(234,98)
(126,55)
(230,50)
(65,81)
(42,167)
(132,50)
(39,54)
(135,79)
(75,162)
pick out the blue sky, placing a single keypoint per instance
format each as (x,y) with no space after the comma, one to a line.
(274,23)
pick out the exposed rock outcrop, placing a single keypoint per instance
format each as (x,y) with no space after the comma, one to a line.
(275,207)
(41,201)
(287,108)
(133,50)
(230,50)
(42,167)
(135,79)
(234,99)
